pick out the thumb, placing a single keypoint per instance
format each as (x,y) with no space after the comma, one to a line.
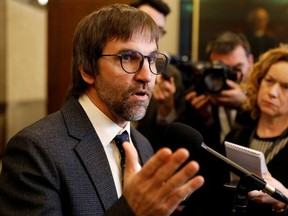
(131,161)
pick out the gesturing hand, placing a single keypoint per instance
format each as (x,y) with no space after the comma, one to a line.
(159,187)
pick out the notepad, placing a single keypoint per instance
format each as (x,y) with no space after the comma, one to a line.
(250,159)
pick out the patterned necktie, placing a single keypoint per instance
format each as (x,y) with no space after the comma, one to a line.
(119,140)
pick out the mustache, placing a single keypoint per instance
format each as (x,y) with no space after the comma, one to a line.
(141,89)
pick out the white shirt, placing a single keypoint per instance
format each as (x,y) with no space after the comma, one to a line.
(227,119)
(106,130)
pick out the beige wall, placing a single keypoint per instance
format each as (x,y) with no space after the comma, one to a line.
(2,50)
(169,43)
(24,87)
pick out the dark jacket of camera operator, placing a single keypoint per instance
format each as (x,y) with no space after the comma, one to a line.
(212,101)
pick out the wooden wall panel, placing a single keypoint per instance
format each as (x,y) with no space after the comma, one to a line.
(63,17)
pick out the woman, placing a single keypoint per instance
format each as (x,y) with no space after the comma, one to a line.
(267,102)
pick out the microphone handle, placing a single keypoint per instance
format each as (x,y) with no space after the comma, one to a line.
(237,169)
(258,182)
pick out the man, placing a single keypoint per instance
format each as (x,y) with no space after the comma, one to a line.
(258,34)
(167,103)
(214,115)
(67,163)
(233,51)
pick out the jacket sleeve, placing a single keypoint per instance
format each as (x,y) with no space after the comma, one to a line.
(23,188)
(120,206)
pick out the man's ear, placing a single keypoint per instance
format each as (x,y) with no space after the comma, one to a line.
(86,77)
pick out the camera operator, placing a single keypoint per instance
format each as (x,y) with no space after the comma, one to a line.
(229,51)
(229,54)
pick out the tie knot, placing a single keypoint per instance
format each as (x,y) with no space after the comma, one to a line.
(121,138)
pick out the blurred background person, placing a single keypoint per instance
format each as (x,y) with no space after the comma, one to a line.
(258,35)
(204,110)
(267,102)
(167,103)
(213,115)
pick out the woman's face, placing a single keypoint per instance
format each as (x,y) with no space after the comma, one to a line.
(273,91)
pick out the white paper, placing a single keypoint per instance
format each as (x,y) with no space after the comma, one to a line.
(250,159)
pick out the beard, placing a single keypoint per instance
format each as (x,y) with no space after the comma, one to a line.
(117,98)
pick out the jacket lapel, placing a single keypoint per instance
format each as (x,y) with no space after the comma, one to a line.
(90,151)
(93,156)
(144,148)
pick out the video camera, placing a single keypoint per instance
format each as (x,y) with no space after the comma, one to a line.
(205,77)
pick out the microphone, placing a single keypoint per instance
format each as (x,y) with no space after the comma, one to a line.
(191,139)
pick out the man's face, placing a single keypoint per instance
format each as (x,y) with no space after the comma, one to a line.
(122,96)
(237,59)
(158,17)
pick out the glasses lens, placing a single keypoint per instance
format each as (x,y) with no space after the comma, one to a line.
(131,61)
(158,63)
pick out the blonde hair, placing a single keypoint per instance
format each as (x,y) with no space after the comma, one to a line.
(256,75)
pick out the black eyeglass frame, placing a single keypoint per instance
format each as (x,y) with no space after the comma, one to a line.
(121,56)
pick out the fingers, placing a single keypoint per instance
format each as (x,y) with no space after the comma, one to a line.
(164,88)
(189,96)
(163,163)
(161,185)
(162,168)
(232,84)
(200,102)
(182,184)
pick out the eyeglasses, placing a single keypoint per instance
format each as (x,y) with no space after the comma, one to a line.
(132,61)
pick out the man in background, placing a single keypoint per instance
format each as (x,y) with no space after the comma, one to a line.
(167,103)
(258,35)
(214,114)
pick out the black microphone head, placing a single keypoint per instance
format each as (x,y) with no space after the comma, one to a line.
(179,135)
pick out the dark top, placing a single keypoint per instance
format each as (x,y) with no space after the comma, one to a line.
(260,44)
(278,166)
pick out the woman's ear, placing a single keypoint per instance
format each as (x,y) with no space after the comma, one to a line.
(86,77)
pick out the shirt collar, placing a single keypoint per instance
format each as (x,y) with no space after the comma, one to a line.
(106,129)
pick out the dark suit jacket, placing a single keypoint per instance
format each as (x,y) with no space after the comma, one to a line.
(58,166)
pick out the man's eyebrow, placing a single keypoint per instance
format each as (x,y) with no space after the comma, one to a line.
(125,50)
(238,65)
(133,50)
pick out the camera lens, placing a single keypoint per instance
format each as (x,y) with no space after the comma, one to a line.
(214,80)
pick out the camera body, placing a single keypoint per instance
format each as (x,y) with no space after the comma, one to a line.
(210,78)
(204,77)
